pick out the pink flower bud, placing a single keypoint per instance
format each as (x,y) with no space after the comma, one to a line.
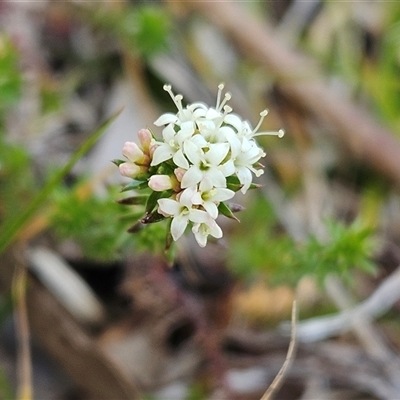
(179,172)
(159,183)
(145,139)
(132,151)
(131,170)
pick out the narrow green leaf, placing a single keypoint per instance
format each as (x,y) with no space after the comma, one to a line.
(134,200)
(152,200)
(11,228)
(135,228)
(118,162)
(225,210)
(152,217)
(234,186)
(135,185)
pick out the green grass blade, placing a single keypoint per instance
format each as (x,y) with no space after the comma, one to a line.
(11,228)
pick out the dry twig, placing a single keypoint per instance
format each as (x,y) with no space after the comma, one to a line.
(278,381)
(24,366)
(378,303)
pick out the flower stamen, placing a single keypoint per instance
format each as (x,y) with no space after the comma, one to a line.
(279,133)
(263,114)
(176,99)
(220,89)
(227,110)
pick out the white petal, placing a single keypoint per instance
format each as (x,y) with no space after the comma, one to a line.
(198,216)
(162,153)
(192,152)
(206,184)
(165,119)
(168,133)
(197,107)
(216,177)
(180,160)
(217,153)
(215,229)
(228,168)
(178,226)
(192,177)
(212,113)
(196,199)
(235,121)
(169,207)
(211,208)
(206,125)
(223,194)
(187,129)
(234,142)
(187,195)
(200,235)
(199,141)
(245,178)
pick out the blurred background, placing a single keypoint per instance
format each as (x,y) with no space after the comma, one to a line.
(90,311)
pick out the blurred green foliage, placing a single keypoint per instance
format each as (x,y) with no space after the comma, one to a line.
(143,29)
(10,75)
(98,224)
(94,222)
(266,248)
(17,183)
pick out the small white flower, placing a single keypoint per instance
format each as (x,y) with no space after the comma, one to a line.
(209,197)
(207,164)
(201,231)
(244,160)
(182,211)
(172,145)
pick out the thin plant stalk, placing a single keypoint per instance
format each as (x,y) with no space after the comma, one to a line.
(24,364)
(278,381)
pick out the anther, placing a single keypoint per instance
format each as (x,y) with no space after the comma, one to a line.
(178,101)
(227,110)
(227,97)
(168,89)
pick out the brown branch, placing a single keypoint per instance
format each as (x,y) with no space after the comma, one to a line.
(302,81)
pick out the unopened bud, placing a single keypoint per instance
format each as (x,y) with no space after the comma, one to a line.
(145,139)
(131,170)
(159,183)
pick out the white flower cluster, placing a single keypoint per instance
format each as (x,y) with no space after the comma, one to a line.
(205,155)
